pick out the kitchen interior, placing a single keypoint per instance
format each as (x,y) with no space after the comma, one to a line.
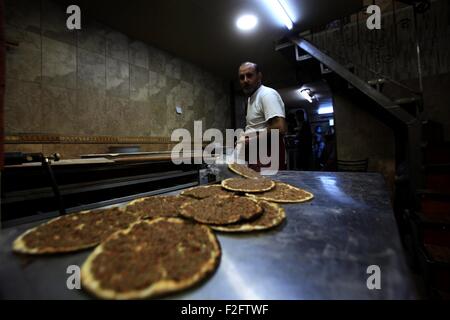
(87,117)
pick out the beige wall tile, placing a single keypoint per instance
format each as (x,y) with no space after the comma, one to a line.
(96,81)
(59,107)
(139,54)
(156,59)
(23,112)
(54,18)
(59,63)
(117,45)
(118,116)
(157,83)
(173,67)
(117,78)
(91,37)
(182,94)
(91,70)
(24,61)
(139,80)
(158,115)
(139,119)
(92,112)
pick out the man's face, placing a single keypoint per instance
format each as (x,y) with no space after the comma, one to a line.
(249,79)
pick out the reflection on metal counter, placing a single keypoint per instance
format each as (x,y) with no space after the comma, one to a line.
(322,251)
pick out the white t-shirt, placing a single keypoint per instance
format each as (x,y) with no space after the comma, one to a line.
(264,104)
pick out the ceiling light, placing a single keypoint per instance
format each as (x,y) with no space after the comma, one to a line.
(306,94)
(279,8)
(247,22)
(325,110)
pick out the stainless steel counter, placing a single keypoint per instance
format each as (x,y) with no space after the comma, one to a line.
(322,251)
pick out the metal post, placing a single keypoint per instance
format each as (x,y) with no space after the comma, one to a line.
(0,199)
(45,161)
(419,64)
(357,31)
(394,17)
(2,87)
(415,155)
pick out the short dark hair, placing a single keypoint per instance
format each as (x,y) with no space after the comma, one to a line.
(255,65)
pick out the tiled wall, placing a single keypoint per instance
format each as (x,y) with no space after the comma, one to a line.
(392,49)
(392,52)
(98,81)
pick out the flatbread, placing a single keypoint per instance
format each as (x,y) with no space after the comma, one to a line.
(203,192)
(151,258)
(284,193)
(248,185)
(73,232)
(221,210)
(157,206)
(243,170)
(272,216)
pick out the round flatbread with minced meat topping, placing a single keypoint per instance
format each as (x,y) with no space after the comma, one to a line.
(219,210)
(203,192)
(151,258)
(272,216)
(157,206)
(248,185)
(243,170)
(73,232)
(284,193)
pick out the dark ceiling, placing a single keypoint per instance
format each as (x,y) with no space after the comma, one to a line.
(204,32)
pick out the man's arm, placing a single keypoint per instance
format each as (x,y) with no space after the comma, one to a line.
(277,123)
(273,108)
(273,123)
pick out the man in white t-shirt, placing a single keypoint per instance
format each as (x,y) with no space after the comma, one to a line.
(265,108)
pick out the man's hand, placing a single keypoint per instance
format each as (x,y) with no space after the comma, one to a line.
(245,138)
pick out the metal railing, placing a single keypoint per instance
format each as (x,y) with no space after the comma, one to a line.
(366,71)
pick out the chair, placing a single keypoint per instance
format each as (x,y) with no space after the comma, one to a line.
(353,165)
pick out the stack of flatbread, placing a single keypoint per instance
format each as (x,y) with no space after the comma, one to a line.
(271,216)
(234,213)
(162,244)
(258,187)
